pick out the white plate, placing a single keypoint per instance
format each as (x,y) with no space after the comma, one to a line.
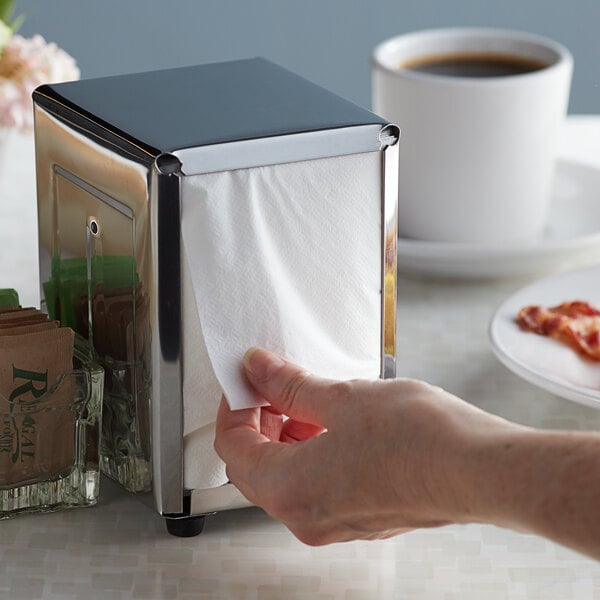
(571,239)
(540,360)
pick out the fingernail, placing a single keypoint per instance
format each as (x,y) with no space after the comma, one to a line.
(261,364)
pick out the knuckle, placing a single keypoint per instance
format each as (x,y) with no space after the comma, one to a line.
(342,390)
(411,386)
(293,388)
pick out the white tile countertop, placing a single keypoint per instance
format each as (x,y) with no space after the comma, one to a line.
(120,549)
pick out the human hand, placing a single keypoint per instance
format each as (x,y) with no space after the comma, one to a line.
(355,460)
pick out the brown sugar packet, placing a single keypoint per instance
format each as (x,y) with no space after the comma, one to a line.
(20,309)
(22,322)
(31,314)
(112,311)
(20,328)
(5,309)
(9,326)
(26,316)
(35,443)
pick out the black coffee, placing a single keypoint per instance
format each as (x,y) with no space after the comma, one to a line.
(473,65)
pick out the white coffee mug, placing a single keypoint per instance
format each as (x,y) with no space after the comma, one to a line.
(477,152)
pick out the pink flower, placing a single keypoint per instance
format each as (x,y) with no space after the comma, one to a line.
(24,65)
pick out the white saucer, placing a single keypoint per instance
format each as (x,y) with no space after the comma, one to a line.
(571,239)
(540,360)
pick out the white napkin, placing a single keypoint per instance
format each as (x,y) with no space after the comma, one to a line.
(202,467)
(286,257)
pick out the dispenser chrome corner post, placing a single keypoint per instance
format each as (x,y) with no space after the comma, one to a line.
(167,394)
(389,138)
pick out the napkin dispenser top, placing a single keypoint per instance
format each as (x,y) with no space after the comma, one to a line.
(111,154)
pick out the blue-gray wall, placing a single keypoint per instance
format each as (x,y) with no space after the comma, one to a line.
(327,41)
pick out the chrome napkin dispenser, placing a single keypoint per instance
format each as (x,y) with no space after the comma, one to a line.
(112,157)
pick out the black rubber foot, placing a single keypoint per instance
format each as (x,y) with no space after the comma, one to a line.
(186,527)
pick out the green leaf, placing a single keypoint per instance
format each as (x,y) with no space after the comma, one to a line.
(6,9)
(16,23)
(5,35)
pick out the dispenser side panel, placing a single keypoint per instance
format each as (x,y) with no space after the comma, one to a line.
(96,277)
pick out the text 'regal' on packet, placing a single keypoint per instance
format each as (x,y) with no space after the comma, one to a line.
(37,429)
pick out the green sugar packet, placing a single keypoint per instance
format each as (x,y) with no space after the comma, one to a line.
(73,281)
(9,297)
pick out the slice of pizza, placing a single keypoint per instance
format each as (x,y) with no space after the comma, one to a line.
(575,323)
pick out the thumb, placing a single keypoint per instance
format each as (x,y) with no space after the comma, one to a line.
(289,388)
